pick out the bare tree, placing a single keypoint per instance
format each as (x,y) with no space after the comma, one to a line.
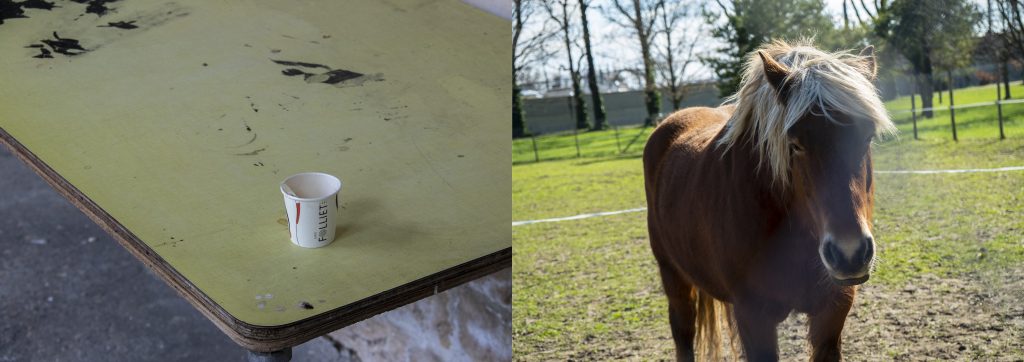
(1012,37)
(595,90)
(525,50)
(640,16)
(870,13)
(563,19)
(678,49)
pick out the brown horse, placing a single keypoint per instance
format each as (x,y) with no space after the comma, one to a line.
(763,206)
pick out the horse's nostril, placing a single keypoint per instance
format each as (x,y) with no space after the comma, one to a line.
(867,250)
(831,253)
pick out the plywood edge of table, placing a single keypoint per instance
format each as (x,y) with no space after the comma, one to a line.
(255,337)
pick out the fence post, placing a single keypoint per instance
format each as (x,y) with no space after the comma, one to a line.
(536,157)
(577,139)
(952,111)
(618,148)
(913,111)
(999,106)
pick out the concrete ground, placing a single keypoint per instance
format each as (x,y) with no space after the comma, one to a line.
(68,291)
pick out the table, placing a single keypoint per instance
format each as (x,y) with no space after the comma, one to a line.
(170,124)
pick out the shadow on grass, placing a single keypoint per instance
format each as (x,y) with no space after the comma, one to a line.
(585,159)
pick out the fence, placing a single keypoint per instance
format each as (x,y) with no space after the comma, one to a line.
(617,141)
(555,114)
(551,120)
(952,113)
(976,118)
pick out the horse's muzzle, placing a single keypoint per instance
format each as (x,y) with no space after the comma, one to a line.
(848,267)
(851,281)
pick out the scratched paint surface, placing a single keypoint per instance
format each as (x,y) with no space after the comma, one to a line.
(182,124)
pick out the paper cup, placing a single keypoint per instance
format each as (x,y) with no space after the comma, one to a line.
(313,210)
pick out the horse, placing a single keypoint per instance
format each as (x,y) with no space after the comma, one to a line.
(763,206)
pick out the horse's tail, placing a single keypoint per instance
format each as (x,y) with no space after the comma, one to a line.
(713,318)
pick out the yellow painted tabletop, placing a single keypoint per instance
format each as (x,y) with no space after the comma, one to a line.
(180,119)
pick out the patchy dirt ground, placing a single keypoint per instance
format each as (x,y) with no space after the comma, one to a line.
(974,317)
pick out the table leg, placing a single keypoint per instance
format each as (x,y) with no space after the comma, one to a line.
(283,355)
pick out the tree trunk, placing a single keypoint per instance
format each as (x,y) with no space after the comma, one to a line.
(924,89)
(581,105)
(595,91)
(673,85)
(677,97)
(1006,80)
(574,74)
(518,126)
(651,97)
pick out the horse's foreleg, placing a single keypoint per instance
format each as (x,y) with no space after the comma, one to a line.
(756,321)
(827,327)
(682,313)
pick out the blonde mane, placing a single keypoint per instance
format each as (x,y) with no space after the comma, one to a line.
(826,82)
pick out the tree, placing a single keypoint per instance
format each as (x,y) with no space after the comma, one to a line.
(749,23)
(595,90)
(1011,38)
(674,67)
(564,22)
(929,34)
(640,17)
(525,48)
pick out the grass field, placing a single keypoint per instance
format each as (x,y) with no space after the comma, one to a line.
(971,123)
(951,252)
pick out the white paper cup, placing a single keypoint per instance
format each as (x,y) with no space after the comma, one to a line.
(313,210)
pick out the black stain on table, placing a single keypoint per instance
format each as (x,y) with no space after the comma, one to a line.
(120,25)
(292,71)
(98,7)
(311,73)
(43,52)
(37,4)
(66,46)
(253,139)
(300,64)
(16,10)
(331,77)
(253,153)
(305,305)
(10,10)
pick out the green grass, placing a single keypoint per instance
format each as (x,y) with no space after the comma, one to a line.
(589,289)
(971,123)
(562,145)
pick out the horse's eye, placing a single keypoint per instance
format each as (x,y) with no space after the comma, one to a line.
(796,148)
(869,138)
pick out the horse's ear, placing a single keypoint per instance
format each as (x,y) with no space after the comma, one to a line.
(869,58)
(775,72)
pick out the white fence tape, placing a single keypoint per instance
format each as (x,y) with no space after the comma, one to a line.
(580,216)
(970,170)
(963,106)
(639,209)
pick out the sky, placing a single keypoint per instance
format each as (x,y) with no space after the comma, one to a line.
(616,47)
